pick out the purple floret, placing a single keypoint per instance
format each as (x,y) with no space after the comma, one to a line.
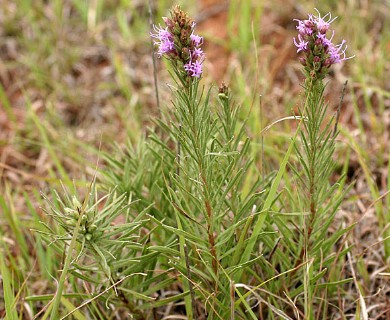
(198,40)
(194,69)
(302,44)
(164,40)
(197,53)
(304,27)
(337,53)
(322,24)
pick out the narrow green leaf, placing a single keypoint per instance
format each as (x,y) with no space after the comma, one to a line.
(9,298)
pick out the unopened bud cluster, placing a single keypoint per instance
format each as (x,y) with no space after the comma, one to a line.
(179,44)
(223,92)
(88,228)
(319,51)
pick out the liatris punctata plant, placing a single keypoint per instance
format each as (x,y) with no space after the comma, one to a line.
(320,201)
(92,243)
(205,191)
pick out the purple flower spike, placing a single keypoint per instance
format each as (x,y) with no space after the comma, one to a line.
(319,51)
(180,44)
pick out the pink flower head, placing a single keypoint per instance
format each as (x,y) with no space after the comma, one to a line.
(323,23)
(305,27)
(324,40)
(337,53)
(164,40)
(198,41)
(302,44)
(194,66)
(197,53)
(194,69)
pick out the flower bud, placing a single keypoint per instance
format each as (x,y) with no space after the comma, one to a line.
(184,37)
(169,23)
(71,223)
(185,53)
(76,203)
(92,228)
(69,210)
(223,92)
(327,62)
(316,59)
(176,30)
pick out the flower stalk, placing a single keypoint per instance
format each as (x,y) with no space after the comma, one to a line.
(317,136)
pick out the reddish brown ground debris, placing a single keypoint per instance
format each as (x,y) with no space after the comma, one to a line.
(212,21)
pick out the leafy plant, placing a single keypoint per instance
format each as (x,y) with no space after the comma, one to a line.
(183,224)
(101,242)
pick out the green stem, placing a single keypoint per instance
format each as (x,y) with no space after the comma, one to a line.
(207,203)
(60,288)
(72,246)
